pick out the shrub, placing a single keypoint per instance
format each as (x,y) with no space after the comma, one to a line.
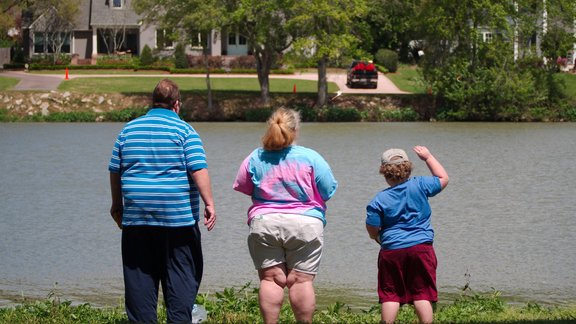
(198,62)
(14,66)
(307,114)
(243,62)
(404,115)
(180,60)
(72,116)
(335,114)
(125,115)
(115,60)
(387,58)
(258,114)
(51,59)
(146,57)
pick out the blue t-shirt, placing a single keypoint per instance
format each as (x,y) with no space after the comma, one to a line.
(403,213)
(153,155)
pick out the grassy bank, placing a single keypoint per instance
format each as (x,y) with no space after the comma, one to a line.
(241,306)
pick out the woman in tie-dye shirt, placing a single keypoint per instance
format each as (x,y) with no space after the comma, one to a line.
(289,186)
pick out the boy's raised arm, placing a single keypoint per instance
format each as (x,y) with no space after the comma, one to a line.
(433,165)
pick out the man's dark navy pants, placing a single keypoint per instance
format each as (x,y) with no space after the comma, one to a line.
(170,256)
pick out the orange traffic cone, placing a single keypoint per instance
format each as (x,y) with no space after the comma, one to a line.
(66,78)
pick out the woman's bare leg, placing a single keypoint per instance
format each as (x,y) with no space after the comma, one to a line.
(271,294)
(302,295)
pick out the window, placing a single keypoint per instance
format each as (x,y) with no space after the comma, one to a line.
(487,37)
(44,42)
(117,3)
(231,39)
(196,39)
(163,39)
(241,40)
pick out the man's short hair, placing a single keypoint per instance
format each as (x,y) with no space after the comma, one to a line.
(165,95)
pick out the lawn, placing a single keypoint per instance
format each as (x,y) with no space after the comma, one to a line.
(145,84)
(7,83)
(408,79)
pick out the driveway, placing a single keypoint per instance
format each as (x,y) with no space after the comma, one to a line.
(30,81)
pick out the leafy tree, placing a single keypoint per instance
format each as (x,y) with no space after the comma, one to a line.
(325,28)
(478,79)
(263,23)
(392,25)
(6,19)
(185,18)
(550,22)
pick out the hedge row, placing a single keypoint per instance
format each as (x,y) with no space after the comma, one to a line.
(141,68)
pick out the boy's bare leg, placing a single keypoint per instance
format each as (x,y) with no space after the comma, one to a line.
(389,312)
(424,311)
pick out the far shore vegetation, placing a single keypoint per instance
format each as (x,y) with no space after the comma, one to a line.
(418,105)
(240,305)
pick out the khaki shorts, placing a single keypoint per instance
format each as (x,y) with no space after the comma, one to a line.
(293,239)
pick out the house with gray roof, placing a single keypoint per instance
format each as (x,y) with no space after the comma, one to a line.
(112,27)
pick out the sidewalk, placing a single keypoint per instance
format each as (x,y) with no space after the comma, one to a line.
(30,81)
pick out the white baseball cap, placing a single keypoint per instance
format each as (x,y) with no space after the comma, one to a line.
(394,156)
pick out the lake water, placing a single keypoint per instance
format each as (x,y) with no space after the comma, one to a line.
(506,221)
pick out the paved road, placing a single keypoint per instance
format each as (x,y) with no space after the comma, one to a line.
(30,81)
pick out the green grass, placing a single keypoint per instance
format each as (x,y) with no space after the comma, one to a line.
(241,306)
(7,83)
(408,79)
(146,84)
(98,71)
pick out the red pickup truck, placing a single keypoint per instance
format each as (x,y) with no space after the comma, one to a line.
(362,74)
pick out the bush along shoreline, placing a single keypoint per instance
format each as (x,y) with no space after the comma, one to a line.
(240,305)
(66,106)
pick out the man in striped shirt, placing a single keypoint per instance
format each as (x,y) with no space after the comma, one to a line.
(158,173)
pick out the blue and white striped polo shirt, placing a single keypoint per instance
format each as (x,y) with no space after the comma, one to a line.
(153,155)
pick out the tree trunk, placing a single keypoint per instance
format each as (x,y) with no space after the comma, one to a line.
(208,85)
(322,83)
(263,64)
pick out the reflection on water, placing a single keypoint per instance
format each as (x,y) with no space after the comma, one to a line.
(505,221)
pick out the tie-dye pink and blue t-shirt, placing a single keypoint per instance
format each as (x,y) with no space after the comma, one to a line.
(295,180)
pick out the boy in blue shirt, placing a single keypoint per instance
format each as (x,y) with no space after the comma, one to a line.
(398,218)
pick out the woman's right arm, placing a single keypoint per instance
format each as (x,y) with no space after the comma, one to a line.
(243,182)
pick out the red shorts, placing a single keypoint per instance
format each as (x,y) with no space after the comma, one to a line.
(406,275)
